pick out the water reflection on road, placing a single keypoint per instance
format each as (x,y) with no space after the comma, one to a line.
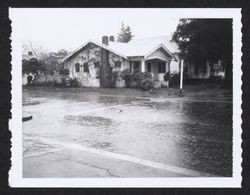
(189,134)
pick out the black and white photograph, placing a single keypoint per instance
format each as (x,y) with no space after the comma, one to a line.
(126,97)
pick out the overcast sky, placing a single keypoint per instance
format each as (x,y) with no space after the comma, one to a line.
(56,29)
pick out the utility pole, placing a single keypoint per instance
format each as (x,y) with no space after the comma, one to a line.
(181,76)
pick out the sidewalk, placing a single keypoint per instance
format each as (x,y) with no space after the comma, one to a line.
(70,160)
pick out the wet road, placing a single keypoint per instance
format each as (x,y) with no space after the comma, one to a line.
(93,135)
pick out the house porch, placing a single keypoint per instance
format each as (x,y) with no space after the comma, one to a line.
(157,67)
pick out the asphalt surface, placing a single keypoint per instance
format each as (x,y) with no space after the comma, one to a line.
(74,135)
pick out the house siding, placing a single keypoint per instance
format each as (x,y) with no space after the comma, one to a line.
(175,65)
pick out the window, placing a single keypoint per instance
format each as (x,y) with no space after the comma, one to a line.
(118,64)
(136,67)
(77,67)
(161,67)
(30,53)
(97,69)
(97,72)
(86,67)
(149,67)
(97,64)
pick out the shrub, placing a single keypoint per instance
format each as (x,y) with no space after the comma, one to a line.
(167,76)
(64,72)
(141,80)
(64,82)
(113,79)
(126,76)
(147,84)
(174,79)
(69,82)
(140,76)
(73,82)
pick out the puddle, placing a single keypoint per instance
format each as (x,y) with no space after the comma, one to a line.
(102,145)
(87,120)
(30,103)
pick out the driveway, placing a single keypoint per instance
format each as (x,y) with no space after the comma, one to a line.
(89,134)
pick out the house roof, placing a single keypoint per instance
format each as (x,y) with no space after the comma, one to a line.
(141,47)
(136,47)
(97,43)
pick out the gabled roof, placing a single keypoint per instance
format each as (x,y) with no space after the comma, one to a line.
(99,44)
(141,47)
(137,47)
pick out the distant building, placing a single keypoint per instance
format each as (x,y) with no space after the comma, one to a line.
(28,55)
(206,71)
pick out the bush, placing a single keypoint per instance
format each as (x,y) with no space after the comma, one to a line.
(73,82)
(141,77)
(115,76)
(167,76)
(64,82)
(126,76)
(64,72)
(147,84)
(69,82)
(141,80)
(174,79)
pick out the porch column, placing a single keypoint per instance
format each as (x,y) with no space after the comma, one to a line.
(143,65)
(167,67)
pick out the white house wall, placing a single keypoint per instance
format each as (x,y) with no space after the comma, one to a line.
(85,79)
(175,65)
(113,58)
(91,54)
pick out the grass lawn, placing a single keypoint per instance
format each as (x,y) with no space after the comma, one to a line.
(206,91)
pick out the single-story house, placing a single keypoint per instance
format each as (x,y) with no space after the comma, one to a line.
(156,55)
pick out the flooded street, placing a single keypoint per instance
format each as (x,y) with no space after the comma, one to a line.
(93,135)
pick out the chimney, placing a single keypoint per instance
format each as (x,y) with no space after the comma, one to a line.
(111,38)
(105,40)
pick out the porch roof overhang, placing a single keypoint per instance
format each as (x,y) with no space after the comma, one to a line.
(157,47)
(156,58)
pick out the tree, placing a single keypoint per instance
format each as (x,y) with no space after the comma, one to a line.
(38,51)
(125,35)
(33,66)
(37,60)
(52,61)
(206,39)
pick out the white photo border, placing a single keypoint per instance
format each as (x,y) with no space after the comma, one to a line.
(15,174)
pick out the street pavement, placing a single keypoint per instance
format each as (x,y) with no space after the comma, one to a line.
(78,135)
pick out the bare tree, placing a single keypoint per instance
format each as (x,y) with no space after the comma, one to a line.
(34,50)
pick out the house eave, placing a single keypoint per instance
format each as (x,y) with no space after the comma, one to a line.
(96,43)
(159,46)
